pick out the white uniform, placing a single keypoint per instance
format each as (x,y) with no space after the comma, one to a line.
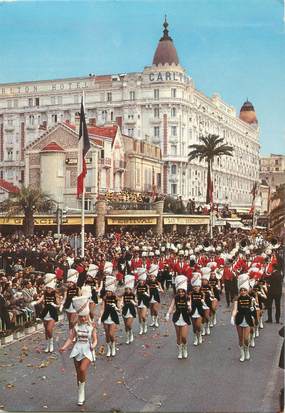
(82,347)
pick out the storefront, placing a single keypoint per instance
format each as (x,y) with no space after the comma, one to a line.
(182,223)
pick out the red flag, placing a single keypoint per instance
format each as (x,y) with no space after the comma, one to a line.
(85,143)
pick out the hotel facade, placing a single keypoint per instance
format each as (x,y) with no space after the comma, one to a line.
(159,105)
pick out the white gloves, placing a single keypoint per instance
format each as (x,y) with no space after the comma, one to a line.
(232,320)
(167,317)
(61,307)
(99,322)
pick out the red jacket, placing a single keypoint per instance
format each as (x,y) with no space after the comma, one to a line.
(228,274)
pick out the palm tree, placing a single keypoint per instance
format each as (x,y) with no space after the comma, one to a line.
(27,201)
(211,147)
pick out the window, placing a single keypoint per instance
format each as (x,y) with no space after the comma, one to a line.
(173,150)
(174,130)
(87,204)
(109,96)
(131,132)
(15,103)
(76,99)
(173,112)
(156,94)
(132,95)
(276,161)
(54,118)
(1,174)
(173,169)
(9,154)
(52,100)
(10,122)
(156,131)
(173,93)
(138,176)
(104,115)
(59,100)
(31,120)
(9,104)
(158,181)
(156,112)
(102,154)
(173,189)
(112,116)
(30,102)
(22,176)
(67,179)
(60,170)
(38,102)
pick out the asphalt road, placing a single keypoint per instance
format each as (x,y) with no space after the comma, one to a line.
(146,375)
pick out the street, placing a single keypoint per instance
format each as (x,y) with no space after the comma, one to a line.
(146,375)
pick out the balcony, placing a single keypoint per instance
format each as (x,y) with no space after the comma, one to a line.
(173,139)
(9,128)
(119,166)
(156,120)
(105,162)
(31,127)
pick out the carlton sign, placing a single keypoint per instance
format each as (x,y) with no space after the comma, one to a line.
(168,76)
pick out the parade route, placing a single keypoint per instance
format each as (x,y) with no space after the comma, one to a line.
(146,375)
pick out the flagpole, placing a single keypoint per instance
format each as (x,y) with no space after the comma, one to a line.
(83,201)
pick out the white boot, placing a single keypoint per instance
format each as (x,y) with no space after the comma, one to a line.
(156,322)
(252,342)
(179,351)
(215,319)
(261,323)
(127,337)
(211,324)
(81,393)
(141,329)
(47,346)
(200,340)
(246,352)
(51,345)
(184,351)
(108,354)
(203,332)
(131,336)
(257,331)
(113,349)
(242,355)
(195,342)
(145,328)
(208,331)
(152,324)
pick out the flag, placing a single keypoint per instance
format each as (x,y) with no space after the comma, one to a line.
(85,146)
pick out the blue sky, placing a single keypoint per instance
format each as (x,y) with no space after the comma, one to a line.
(233,47)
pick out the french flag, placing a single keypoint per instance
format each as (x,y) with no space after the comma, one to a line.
(84,144)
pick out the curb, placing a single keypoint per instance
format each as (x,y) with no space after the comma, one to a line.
(20,335)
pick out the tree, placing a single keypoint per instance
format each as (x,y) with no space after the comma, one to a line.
(27,201)
(211,147)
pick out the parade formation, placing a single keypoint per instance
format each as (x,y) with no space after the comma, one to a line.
(124,275)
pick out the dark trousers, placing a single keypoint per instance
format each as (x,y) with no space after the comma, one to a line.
(229,291)
(277,299)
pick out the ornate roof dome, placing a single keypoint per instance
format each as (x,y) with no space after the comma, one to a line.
(247,113)
(165,52)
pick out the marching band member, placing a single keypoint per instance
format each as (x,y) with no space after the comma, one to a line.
(83,336)
(143,299)
(242,316)
(95,286)
(109,316)
(197,312)
(181,316)
(214,283)
(72,291)
(154,288)
(208,297)
(129,307)
(49,315)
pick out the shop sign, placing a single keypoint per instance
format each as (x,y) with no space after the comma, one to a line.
(186,221)
(131,221)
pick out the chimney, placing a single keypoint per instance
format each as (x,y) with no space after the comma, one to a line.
(119,121)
